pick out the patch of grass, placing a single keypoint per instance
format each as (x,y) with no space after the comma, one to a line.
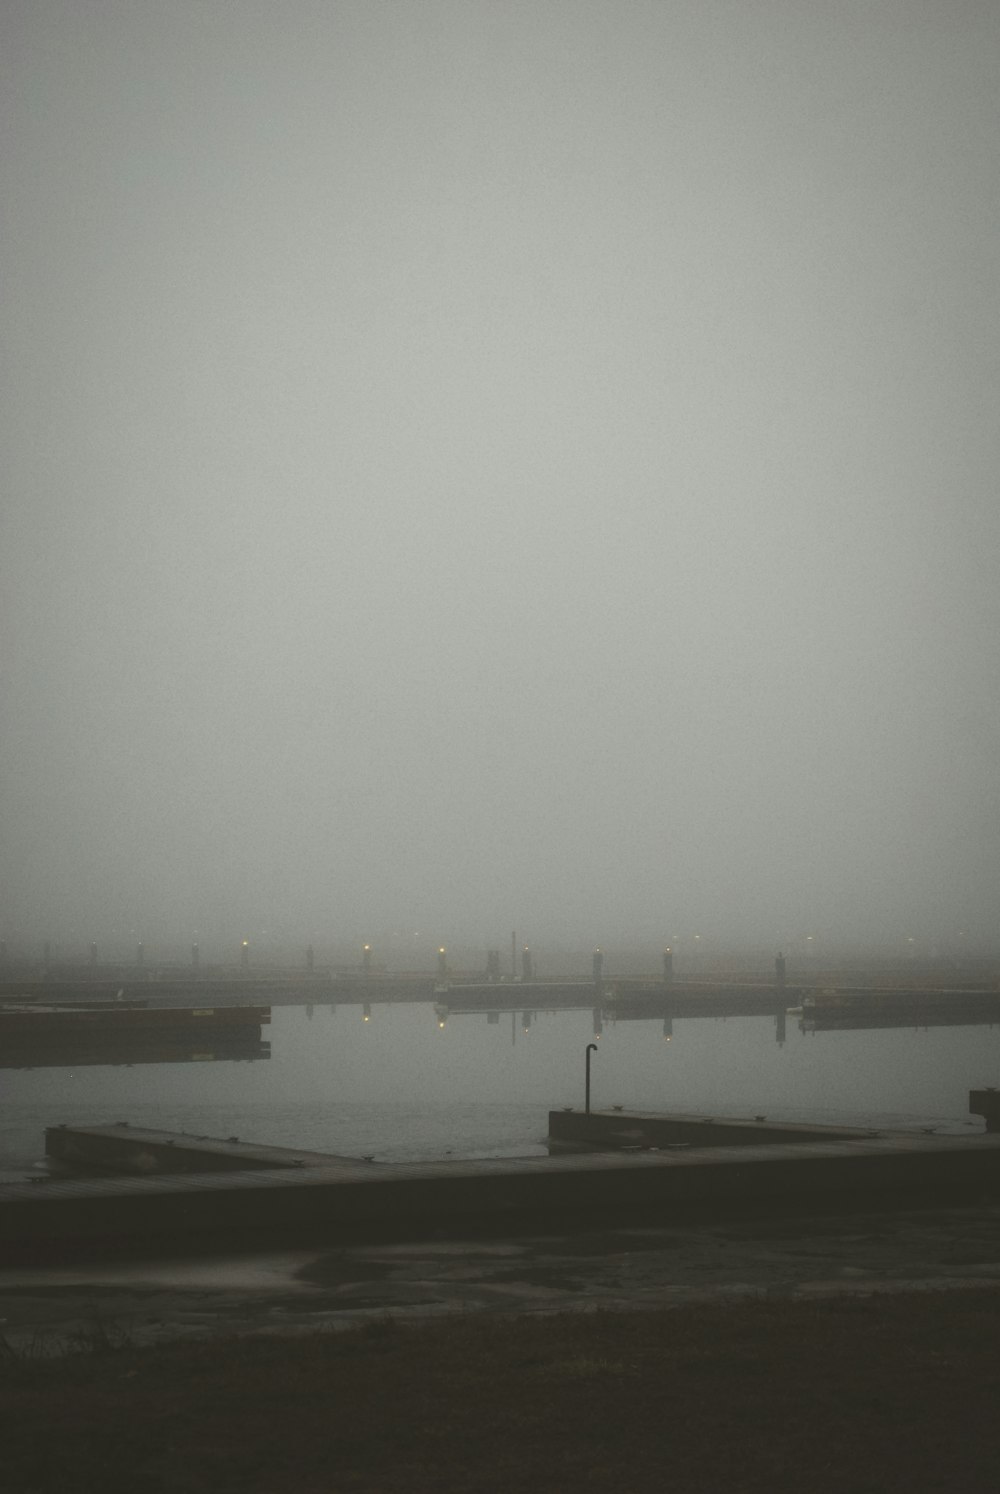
(99,1337)
(36,1347)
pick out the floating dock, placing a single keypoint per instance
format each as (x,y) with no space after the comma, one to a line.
(51,1036)
(136,1149)
(872,1007)
(112,1020)
(619,1128)
(173,1046)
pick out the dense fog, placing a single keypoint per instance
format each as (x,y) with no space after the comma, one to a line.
(477,466)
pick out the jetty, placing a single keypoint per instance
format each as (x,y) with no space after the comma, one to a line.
(342,1201)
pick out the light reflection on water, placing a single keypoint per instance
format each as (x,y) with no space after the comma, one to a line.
(401,1088)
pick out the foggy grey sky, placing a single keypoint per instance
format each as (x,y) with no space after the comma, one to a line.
(469,464)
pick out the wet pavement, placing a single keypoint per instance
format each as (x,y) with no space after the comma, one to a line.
(324,1289)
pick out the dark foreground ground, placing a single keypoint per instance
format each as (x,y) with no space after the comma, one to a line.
(855,1394)
(820,1355)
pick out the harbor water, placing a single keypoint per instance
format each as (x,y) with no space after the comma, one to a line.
(395,1084)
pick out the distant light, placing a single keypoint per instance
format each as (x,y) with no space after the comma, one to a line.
(441,950)
(246,943)
(441,1023)
(667,1038)
(366,1018)
(366,947)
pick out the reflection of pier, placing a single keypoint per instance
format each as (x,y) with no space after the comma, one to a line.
(619,1002)
(629,1004)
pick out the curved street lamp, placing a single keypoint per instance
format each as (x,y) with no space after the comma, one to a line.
(591,1048)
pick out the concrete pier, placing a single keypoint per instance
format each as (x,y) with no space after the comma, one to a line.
(497,1196)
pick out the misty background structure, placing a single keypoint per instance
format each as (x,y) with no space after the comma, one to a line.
(476,466)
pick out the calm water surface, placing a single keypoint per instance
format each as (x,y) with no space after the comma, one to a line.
(400,1088)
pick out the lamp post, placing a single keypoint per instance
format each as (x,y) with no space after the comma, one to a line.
(591,1048)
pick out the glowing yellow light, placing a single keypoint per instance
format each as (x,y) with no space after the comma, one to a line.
(246,943)
(366,1019)
(441,1024)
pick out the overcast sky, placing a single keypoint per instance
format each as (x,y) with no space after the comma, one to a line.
(529,463)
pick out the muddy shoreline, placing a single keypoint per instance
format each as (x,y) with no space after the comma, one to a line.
(295,1291)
